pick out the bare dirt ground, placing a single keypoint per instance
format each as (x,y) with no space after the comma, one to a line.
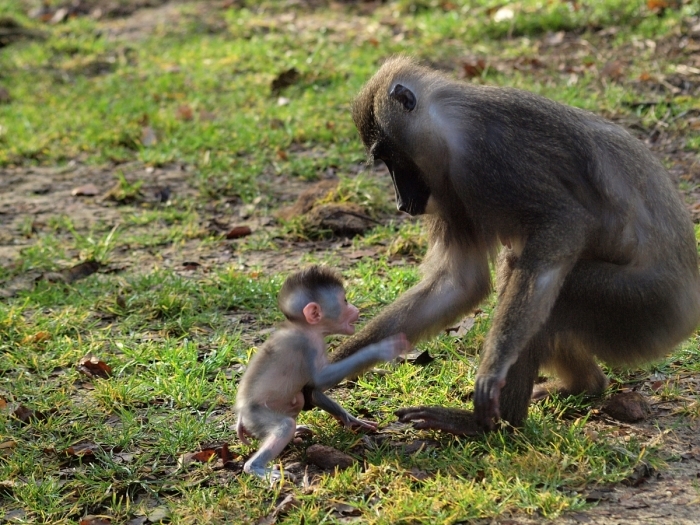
(31,198)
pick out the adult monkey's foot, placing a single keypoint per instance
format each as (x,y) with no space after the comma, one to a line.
(452,420)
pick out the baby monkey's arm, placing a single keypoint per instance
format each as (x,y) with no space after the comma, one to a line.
(385,350)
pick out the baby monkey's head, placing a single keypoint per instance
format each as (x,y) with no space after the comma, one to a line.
(316,296)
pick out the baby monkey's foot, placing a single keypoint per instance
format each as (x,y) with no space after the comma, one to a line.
(271,474)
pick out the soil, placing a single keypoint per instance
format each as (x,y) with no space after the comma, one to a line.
(33,199)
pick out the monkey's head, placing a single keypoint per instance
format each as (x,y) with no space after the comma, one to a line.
(394,117)
(316,294)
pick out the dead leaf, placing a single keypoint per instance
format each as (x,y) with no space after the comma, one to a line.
(612,70)
(8,445)
(82,450)
(288,503)
(16,515)
(657,385)
(86,190)
(361,254)
(328,458)
(419,358)
(346,510)
(162,194)
(641,473)
(657,5)
(343,219)
(418,474)
(222,453)
(38,337)
(307,199)
(24,414)
(628,407)
(75,273)
(472,67)
(591,434)
(5,97)
(238,231)
(285,79)
(600,494)
(92,367)
(3,403)
(462,328)
(95,520)
(148,136)
(185,112)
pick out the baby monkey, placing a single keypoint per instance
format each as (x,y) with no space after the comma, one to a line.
(294,360)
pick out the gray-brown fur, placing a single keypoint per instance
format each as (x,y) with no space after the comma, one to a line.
(293,361)
(600,256)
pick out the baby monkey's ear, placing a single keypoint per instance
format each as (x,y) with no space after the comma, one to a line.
(313,313)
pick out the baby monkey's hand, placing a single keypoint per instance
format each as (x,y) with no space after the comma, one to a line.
(393,346)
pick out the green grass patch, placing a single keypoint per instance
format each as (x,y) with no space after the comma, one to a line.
(196,92)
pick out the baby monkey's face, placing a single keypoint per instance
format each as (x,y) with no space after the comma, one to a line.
(344,323)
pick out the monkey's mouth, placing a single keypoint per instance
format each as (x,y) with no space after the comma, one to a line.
(412,193)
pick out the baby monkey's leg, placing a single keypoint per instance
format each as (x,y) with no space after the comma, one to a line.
(324,402)
(277,431)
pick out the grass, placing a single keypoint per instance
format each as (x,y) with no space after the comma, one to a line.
(196,92)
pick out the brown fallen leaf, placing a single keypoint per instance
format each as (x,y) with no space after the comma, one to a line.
(38,337)
(238,231)
(83,449)
(95,520)
(5,97)
(628,407)
(284,79)
(361,254)
(307,199)
(472,67)
(8,445)
(613,70)
(462,328)
(657,5)
(419,358)
(328,458)
(70,275)
(343,219)
(287,503)
(204,456)
(343,509)
(24,414)
(418,475)
(185,112)
(92,367)
(3,403)
(86,190)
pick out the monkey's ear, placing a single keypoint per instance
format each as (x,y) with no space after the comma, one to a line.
(403,95)
(312,313)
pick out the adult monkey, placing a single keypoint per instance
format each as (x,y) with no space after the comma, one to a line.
(599,256)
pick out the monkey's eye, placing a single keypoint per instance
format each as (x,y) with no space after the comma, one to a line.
(403,95)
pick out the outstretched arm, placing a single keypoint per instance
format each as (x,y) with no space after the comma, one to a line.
(333,373)
(429,306)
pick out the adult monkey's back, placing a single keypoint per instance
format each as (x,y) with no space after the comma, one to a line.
(598,260)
